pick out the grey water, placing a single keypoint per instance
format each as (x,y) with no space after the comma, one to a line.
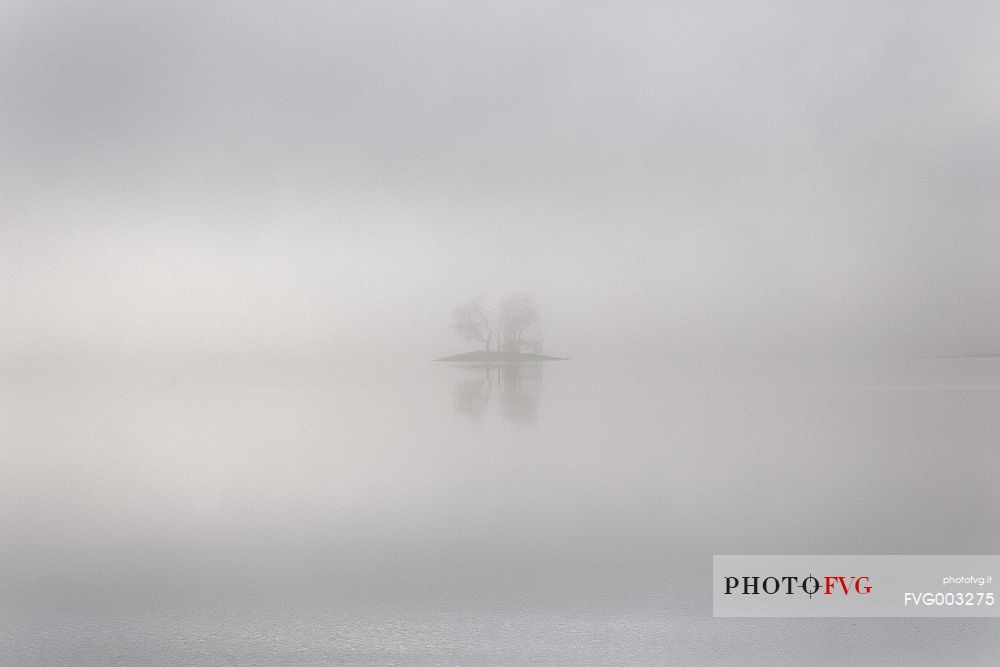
(301,511)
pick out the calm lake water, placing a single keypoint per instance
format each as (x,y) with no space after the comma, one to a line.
(297,511)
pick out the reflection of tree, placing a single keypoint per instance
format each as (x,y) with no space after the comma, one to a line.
(472,397)
(518,392)
(517,386)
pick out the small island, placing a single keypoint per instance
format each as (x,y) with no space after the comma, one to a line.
(483,355)
(514,331)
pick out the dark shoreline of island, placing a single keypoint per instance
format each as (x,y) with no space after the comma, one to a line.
(500,357)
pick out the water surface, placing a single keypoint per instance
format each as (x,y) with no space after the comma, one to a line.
(275,510)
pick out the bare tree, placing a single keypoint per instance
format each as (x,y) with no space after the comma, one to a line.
(471,322)
(519,324)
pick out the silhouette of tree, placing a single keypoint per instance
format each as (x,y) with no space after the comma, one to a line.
(471,322)
(515,326)
(519,324)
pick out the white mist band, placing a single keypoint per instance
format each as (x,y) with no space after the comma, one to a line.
(831,585)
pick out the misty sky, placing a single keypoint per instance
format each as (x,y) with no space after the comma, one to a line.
(333,177)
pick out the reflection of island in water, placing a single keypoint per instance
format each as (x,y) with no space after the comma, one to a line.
(515,386)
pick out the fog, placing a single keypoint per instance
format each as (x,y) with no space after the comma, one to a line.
(331,179)
(232,237)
